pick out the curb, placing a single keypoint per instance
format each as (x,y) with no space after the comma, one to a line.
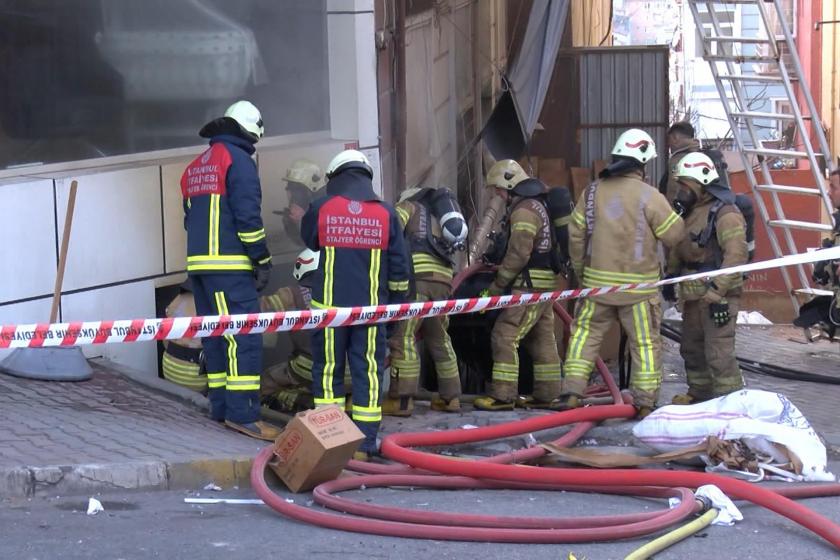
(74,480)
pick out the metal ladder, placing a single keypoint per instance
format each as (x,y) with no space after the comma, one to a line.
(730,59)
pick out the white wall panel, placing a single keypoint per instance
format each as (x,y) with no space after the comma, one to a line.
(173,216)
(27,228)
(116,228)
(126,301)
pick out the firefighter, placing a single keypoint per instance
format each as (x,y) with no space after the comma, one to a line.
(287,386)
(827,273)
(181,362)
(613,239)
(432,245)
(304,183)
(228,261)
(363,262)
(715,237)
(525,267)
(681,141)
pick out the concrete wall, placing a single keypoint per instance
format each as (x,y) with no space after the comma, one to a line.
(128,235)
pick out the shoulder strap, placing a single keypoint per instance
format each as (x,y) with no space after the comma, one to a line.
(589,216)
(709,231)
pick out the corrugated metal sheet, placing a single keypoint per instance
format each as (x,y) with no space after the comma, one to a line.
(623,88)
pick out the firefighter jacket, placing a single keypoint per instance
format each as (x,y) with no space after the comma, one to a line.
(670,178)
(363,255)
(293,298)
(222,197)
(727,247)
(614,234)
(418,223)
(527,261)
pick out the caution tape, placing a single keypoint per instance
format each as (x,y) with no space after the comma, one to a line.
(139,330)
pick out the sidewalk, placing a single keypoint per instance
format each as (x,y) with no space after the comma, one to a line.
(112,434)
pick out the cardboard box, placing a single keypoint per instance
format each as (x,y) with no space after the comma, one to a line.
(314,447)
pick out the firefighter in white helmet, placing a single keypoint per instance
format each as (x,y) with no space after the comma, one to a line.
(524,265)
(434,229)
(228,261)
(613,236)
(287,386)
(715,237)
(304,183)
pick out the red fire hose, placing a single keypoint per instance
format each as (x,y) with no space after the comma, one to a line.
(427,470)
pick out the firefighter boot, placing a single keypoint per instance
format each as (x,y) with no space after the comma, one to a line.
(643,412)
(486,402)
(524,401)
(573,401)
(683,399)
(259,429)
(399,406)
(442,405)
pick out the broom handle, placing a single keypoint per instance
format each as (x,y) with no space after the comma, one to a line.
(62,255)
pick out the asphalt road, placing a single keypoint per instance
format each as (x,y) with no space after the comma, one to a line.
(161,525)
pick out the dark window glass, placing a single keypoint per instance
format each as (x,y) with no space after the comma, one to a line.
(82,79)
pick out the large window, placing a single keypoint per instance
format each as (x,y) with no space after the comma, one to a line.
(84,79)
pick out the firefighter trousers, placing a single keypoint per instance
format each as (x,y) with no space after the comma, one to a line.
(405,360)
(641,322)
(533,327)
(363,346)
(708,351)
(234,362)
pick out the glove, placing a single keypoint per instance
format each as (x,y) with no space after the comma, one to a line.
(669,291)
(262,273)
(821,273)
(719,312)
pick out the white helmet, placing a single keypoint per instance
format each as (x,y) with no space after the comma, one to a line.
(697,166)
(306,263)
(636,144)
(349,159)
(305,172)
(248,118)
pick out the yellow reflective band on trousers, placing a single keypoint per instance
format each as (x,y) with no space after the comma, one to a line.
(401,286)
(666,225)
(510,372)
(251,236)
(576,365)
(547,372)
(217,380)
(329,365)
(233,364)
(647,376)
(243,383)
(373,370)
(370,354)
(367,413)
(333,400)
(196,263)
(302,366)
(182,372)
(505,372)
(213,230)
(329,269)
(642,323)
